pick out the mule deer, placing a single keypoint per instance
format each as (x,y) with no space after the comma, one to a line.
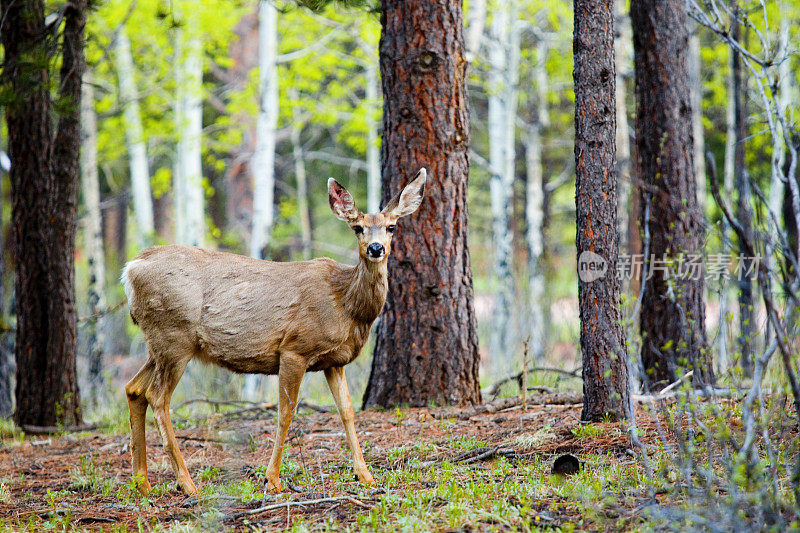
(253,316)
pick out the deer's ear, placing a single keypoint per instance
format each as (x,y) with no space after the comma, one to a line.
(342,203)
(409,198)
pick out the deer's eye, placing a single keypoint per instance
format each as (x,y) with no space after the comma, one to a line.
(358,230)
(390,228)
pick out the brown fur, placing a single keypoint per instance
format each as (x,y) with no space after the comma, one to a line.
(253,316)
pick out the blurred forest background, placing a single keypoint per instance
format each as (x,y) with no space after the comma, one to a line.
(217,124)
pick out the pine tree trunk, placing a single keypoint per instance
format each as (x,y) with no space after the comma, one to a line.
(93,238)
(743,211)
(263,164)
(134,139)
(605,373)
(673,311)
(427,346)
(44,182)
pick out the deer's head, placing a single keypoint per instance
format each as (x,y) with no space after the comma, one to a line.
(374,230)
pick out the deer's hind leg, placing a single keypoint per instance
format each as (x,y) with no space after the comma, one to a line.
(169,368)
(137,405)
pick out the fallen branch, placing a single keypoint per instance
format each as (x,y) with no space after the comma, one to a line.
(47,430)
(301,503)
(483,454)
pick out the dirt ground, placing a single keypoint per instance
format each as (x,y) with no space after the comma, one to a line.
(81,480)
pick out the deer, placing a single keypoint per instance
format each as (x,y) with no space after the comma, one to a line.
(256,316)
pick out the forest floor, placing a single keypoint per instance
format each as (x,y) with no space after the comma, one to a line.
(435,470)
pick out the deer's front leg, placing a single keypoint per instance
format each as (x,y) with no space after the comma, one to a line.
(341,395)
(290,374)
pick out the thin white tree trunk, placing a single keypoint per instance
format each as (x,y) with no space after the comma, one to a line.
(696,84)
(534,208)
(373,147)
(263,162)
(134,139)
(503,65)
(302,180)
(727,177)
(476,19)
(622,59)
(191,142)
(178,179)
(93,237)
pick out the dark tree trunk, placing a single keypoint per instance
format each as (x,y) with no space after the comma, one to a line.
(7,364)
(673,312)
(427,345)
(743,211)
(44,181)
(605,372)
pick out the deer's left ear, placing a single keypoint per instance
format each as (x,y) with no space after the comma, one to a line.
(409,198)
(341,201)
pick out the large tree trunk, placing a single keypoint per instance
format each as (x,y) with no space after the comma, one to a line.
(673,311)
(93,239)
(534,206)
(134,139)
(743,211)
(427,346)
(503,67)
(44,180)
(605,374)
(263,162)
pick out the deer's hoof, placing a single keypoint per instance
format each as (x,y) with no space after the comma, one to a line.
(143,485)
(365,477)
(189,488)
(274,485)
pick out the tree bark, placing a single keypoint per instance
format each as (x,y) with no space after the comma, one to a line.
(134,139)
(605,374)
(44,181)
(673,310)
(427,346)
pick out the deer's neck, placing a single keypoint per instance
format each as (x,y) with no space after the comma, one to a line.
(362,289)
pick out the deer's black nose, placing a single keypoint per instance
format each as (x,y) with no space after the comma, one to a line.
(375,249)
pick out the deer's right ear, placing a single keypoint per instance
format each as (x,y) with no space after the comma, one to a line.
(342,203)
